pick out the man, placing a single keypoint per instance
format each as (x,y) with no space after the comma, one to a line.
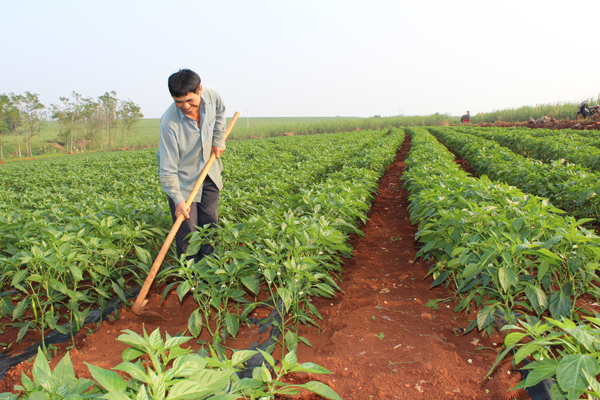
(466,119)
(191,129)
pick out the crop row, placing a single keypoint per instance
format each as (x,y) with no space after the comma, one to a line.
(517,261)
(521,141)
(74,231)
(503,249)
(586,137)
(290,247)
(569,187)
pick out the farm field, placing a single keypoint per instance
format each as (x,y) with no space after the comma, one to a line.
(296,230)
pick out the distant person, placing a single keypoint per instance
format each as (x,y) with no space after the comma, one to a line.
(190,130)
(466,119)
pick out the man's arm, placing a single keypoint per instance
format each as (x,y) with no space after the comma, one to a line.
(219,127)
(168,160)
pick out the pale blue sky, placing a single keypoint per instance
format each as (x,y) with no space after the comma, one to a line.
(307,58)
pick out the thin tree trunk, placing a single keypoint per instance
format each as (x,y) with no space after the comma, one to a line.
(28,143)
(18,142)
(71,141)
(1,148)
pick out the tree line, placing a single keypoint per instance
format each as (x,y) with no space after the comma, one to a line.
(86,124)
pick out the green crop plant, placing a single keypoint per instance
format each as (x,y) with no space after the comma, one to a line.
(501,249)
(521,141)
(61,383)
(171,373)
(562,350)
(569,187)
(287,210)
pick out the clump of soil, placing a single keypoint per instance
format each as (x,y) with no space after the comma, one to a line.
(553,124)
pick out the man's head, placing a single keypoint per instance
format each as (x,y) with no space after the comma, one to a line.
(185,88)
(183,82)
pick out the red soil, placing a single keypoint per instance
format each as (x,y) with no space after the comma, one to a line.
(377,337)
(553,124)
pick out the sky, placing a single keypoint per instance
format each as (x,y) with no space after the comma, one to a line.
(282,58)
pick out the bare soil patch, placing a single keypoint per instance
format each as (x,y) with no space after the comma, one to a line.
(553,124)
(377,337)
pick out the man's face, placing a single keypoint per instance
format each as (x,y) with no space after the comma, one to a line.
(189,103)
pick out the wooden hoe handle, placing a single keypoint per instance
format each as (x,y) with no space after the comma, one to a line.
(139,302)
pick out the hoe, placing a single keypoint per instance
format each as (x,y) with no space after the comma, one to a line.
(140,302)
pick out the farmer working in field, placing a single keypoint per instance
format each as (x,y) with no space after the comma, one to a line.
(191,128)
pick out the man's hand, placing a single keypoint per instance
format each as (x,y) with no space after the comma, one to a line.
(217,151)
(182,209)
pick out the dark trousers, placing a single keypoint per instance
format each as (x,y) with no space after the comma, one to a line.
(202,213)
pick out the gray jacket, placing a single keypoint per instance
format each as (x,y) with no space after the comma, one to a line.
(184,149)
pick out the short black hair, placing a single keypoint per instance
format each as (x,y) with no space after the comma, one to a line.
(183,82)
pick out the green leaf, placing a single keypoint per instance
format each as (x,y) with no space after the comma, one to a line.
(42,375)
(245,384)
(132,338)
(507,278)
(195,323)
(143,255)
(18,277)
(155,341)
(131,353)
(560,304)
(540,370)
(526,350)
(176,341)
(187,389)
(76,272)
(20,308)
(58,286)
(241,356)
(556,393)
(513,338)
(233,324)
(286,295)
(291,341)
(289,360)
(182,289)
(537,297)
(583,338)
(23,330)
(321,389)
(116,395)
(109,380)
(569,373)
(136,371)
(311,368)
(119,291)
(63,372)
(252,283)
(187,365)
(268,358)
(486,316)
(594,384)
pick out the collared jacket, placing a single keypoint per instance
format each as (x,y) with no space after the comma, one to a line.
(184,149)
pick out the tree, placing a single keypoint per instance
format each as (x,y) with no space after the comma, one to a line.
(4,120)
(108,104)
(32,117)
(130,114)
(16,101)
(93,124)
(70,114)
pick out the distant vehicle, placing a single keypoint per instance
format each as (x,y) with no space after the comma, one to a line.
(466,119)
(585,111)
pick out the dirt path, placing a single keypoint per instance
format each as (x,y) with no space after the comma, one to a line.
(381,340)
(377,337)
